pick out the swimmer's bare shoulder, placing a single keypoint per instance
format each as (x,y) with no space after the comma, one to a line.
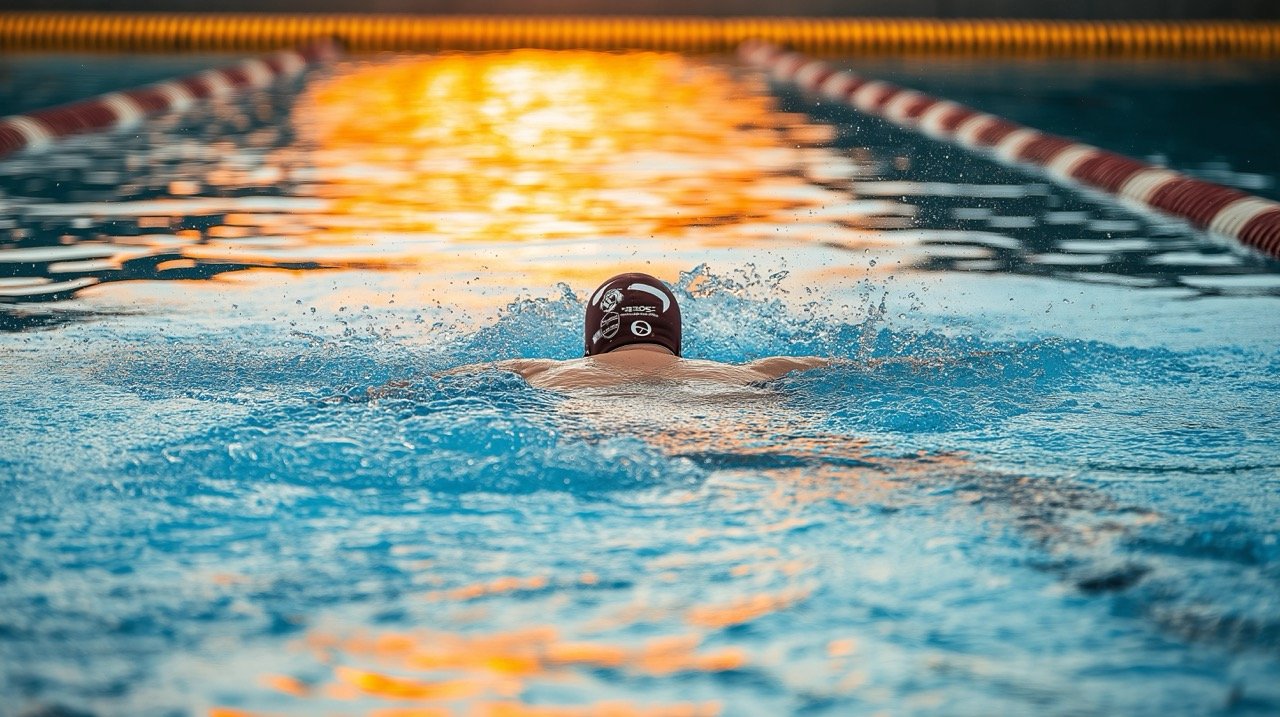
(527,368)
(598,371)
(608,370)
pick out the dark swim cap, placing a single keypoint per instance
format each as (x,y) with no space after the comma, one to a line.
(632,309)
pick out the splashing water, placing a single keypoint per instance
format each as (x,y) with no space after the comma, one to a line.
(940,515)
(1039,477)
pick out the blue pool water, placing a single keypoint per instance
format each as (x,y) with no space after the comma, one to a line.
(1046,479)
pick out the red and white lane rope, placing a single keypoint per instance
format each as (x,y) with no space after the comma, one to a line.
(122,110)
(1253,221)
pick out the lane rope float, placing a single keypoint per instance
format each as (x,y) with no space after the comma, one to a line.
(240,32)
(1250,220)
(37,130)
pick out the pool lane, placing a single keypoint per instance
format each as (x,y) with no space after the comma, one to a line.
(169,204)
(371,32)
(1251,220)
(1207,118)
(1045,480)
(35,130)
(32,81)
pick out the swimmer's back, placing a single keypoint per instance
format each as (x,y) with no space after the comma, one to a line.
(624,367)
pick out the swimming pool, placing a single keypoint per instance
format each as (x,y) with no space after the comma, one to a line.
(1046,483)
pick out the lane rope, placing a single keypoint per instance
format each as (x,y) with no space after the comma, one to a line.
(37,130)
(241,32)
(1250,220)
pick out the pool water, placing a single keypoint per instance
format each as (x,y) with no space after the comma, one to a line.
(1044,479)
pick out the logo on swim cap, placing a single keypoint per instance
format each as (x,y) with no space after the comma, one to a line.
(609,324)
(610,300)
(640,303)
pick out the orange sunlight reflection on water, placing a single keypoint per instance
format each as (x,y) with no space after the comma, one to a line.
(527,168)
(452,669)
(533,144)
(434,162)
(443,673)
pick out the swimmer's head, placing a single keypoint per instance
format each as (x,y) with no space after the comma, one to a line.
(632,309)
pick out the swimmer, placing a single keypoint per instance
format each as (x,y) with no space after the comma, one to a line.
(633,336)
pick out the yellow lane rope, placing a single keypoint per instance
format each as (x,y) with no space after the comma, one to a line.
(129,32)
